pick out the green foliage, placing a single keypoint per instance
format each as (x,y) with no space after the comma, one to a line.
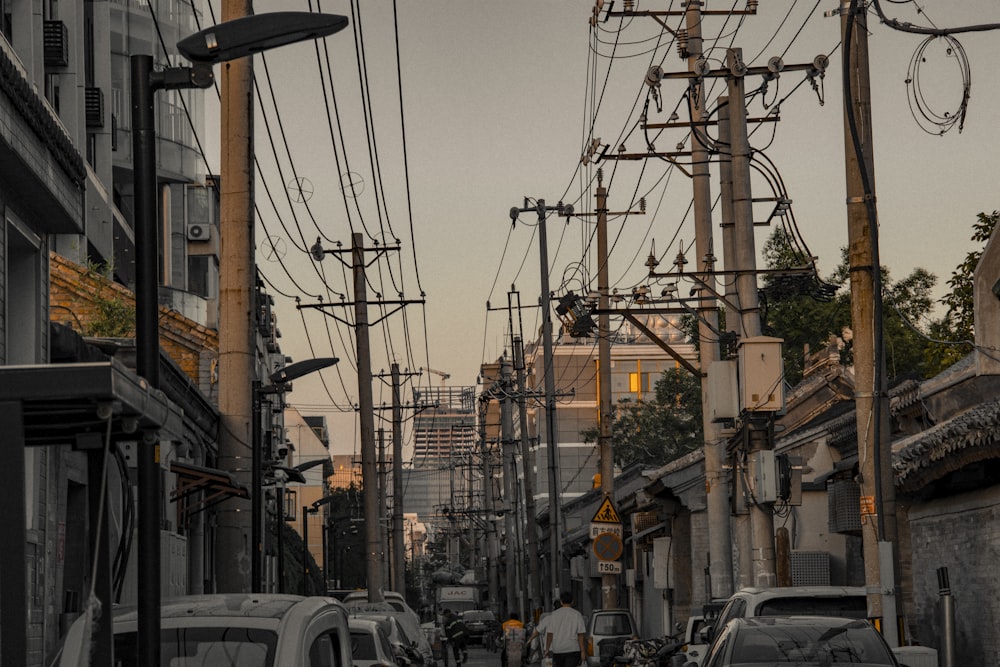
(657,431)
(113,317)
(958,326)
(806,312)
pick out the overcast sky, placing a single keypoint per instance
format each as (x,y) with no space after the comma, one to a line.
(499,100)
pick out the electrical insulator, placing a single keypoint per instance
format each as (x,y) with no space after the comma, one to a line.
(682,43)
(752,6)
(642,204)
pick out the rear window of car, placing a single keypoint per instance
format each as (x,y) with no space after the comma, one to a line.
(844,607)
(204,647)
(813,645)
(612,624)
(478,616)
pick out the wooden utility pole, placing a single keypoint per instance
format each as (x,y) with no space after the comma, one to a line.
(509,479)
(871,401)
(237,279)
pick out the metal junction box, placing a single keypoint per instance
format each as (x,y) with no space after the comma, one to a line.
(761,374)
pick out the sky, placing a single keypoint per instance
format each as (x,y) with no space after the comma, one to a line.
(472,107)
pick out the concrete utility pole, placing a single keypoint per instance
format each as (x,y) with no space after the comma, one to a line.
(237,279)
(609,581)
(383,506)
(369,477)
(761,519)
(871,401)
(551,443)
(509,478)
(489,514)
(528,464)
(741,522)
(398,552)
(716,479)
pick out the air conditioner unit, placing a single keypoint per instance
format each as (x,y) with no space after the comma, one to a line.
(199,232)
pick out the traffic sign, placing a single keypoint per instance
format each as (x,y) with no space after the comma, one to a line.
(613,528)
(606,513)
(607,547)
(609,567)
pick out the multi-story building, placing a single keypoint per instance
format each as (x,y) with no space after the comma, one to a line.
(66,187)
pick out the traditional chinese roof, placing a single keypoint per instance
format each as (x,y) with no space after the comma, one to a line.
(967,438)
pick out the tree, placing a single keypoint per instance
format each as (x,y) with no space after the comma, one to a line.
(660,430)
(805,311)
(957,327)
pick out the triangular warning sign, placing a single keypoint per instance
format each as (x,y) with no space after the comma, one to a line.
(606,513)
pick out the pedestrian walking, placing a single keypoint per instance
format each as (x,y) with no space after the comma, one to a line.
(458,636)
(513,641)
(566,635)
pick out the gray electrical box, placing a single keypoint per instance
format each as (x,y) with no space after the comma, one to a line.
(723,391)
(761,375)
(765,476)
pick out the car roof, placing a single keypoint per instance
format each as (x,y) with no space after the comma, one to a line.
(800,591)
(234,605)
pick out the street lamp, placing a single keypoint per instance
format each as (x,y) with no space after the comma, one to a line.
(306,511)
(280,380)
(226,41)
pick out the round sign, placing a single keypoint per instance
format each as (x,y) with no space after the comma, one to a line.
(607,546)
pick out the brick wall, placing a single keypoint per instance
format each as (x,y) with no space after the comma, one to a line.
(961,533)
(72,301)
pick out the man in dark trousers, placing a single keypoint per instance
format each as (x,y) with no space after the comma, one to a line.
(458,636)
(565,635)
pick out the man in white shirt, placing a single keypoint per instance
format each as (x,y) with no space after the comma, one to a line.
(566,635)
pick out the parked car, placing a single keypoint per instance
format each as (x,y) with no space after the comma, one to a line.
(799,640)
(840,601)
(607,632)
(408,620)
(480,623)
(370,646)
(405,649)
(244,630)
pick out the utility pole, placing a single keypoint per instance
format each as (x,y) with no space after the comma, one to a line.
(383,506)
(489,513)
(716,480)
(740,522)
(555,524)
(374,546)
(528,465)
(758,434)
(609,581)
(398,555)
(871,401)
(509,476)
(237,279)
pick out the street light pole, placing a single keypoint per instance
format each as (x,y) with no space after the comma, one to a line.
(226,41)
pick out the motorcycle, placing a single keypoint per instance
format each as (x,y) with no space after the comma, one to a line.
(654,652)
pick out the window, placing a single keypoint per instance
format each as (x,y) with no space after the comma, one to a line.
(325,651)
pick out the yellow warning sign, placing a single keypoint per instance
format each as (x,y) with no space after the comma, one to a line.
(606,513)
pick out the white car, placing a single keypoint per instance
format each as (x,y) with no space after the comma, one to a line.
(369,645)
(233,630)
(409,621)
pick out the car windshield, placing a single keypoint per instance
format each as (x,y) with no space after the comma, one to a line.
(363,646)
(809,645)
(204,647)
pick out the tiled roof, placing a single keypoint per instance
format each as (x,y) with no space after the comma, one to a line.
(971,436)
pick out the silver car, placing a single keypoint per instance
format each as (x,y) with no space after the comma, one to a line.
(369,645)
